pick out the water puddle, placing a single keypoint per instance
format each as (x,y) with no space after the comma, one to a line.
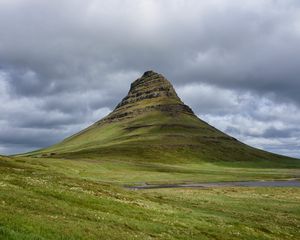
(273,183)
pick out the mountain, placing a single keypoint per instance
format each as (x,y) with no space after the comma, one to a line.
(152,123)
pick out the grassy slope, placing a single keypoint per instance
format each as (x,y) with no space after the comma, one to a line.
(132,172)
(159,137)
(39,202)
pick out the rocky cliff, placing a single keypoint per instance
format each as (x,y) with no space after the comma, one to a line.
(151,92)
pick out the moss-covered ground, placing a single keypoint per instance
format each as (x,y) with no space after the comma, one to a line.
(45,198)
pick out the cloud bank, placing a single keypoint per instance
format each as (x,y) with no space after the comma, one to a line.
(65,64)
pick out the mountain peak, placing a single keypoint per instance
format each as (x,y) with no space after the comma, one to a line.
(150,78)
(152,123)
(151,92)
(149,73)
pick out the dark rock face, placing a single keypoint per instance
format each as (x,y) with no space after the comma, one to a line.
(150,85)
(151,92)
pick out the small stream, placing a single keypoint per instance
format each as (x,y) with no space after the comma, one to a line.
(272,183)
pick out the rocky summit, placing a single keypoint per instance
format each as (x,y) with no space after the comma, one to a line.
(152,124)
(151,92)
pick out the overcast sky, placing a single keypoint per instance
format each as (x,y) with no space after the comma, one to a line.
(65,64)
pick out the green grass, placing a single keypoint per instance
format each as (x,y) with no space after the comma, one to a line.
(131,172)
(158,148)
(70,199)
(74,189)
(161,138)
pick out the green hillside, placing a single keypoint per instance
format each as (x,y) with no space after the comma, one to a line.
(46,198)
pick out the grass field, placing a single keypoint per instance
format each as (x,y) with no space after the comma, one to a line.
(131,172)
(44,198)
(75,188)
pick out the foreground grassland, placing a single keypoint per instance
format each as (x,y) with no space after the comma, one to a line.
(68,199)
(132,172)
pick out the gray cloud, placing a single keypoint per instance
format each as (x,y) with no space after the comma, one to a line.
(66,64)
